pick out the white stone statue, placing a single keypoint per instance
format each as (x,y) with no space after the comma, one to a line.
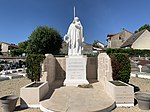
(74,37)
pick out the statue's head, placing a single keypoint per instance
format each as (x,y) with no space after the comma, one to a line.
(76,19)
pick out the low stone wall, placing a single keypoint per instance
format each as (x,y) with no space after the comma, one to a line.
(91,68)
(48,69)
(60,67)
(55,68)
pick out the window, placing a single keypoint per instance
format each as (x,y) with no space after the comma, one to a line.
(119,38)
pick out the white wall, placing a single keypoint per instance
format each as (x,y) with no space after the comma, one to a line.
(143,42)
(4,47)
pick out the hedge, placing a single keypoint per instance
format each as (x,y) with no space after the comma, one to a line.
(129,51)
(121,67)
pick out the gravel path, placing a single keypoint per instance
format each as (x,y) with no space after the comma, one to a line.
(13,87)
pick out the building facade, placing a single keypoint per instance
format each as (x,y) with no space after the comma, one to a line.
(116,40)
(6,47)
(139,40)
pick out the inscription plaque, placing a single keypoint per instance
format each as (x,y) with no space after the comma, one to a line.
(75,71)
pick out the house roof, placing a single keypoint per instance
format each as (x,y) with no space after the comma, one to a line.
(132,39)
(111,35)
(127,30)
(101,43)
(12,45)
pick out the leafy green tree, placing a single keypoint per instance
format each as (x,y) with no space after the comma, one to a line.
(33,63)
(44,40)
(146,26)
(19,51)
(23,45)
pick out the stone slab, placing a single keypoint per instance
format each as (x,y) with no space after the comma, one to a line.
(75,99)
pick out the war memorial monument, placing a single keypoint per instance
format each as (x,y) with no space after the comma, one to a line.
(62,75)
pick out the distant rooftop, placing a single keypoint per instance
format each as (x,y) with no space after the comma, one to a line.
(132,39)
(12,45)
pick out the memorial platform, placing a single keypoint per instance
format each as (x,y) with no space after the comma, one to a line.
(75,99)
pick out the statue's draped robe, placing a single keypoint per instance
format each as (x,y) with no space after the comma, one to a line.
(75,38)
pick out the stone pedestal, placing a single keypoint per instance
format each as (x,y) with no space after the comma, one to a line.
(75,71)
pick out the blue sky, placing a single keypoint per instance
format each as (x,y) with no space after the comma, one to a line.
(18,18)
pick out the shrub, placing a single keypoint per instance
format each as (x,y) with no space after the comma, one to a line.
(1,68)
(33,63)
(121,67)
(129,51)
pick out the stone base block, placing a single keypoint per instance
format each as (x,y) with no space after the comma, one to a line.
(76,71)
(75,82)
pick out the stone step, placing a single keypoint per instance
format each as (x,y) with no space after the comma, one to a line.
(75,99)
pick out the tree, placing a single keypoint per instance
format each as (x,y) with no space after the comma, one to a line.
(146,26)
(19,51)
(44,40)
(23,45)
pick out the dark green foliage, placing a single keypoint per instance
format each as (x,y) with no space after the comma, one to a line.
(120,66)
(22,49)
(17,52)
(44,40)
(146,26)
(33,63)
(129,51)
(1,68)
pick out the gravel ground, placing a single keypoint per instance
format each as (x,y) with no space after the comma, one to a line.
(13,87)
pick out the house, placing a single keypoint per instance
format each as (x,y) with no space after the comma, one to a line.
(139,40)
(6,47)
(116,40)
(98,46)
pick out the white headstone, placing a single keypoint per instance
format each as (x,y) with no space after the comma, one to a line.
(140,67)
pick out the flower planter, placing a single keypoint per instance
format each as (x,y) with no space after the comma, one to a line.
(121,92)
(32,94)
(143,100)
(9,103)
